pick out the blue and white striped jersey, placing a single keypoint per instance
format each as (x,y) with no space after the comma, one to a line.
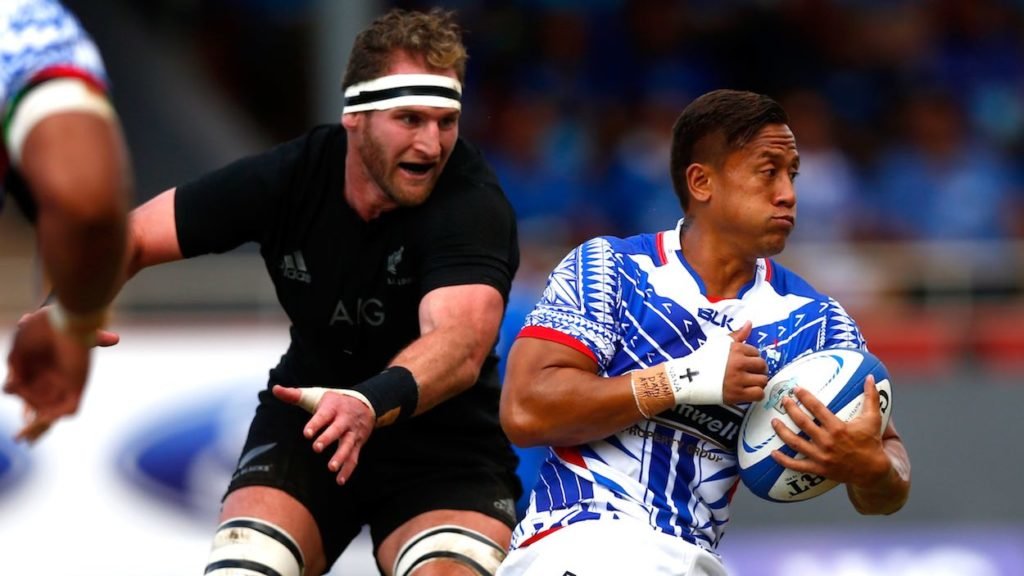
(634,303)
(40,39)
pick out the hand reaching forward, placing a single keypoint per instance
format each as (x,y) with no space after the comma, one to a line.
(48,369)
(849,452)
(746,373)
(337,417)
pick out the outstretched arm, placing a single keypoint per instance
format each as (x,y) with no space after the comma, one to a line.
(458,327)
(48,367)
(76,167)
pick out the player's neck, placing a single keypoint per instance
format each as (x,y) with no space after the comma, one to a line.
(362,193)
(718,260)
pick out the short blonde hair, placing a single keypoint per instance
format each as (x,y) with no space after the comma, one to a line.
(435,35)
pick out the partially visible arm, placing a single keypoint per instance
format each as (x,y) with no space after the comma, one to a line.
(874,465)
(888,492)
(553,396)
(458,328)
(77,169)
(46,367)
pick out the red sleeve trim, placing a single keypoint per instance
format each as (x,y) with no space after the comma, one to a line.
(553,335)
(67,72)
(540,535)
(570,455)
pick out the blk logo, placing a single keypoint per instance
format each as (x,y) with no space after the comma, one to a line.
(712,316)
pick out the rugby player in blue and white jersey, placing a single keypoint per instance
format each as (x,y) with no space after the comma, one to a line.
(63,157)
(637,365)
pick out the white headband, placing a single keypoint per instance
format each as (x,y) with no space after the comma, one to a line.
(403,90)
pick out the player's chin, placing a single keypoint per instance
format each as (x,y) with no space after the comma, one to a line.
(773,245)
(409,196)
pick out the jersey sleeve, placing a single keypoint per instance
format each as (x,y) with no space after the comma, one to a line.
(228,207)
(472,239)
(41,40)
(580,304)
(840,329)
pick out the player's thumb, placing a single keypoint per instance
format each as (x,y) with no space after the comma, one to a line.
(743,333)
(289,395)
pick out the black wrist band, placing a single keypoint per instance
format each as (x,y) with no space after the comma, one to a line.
(393,394)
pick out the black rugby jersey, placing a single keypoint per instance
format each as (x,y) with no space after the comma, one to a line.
(352,288)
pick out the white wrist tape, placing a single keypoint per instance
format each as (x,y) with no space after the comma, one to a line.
(699,377)
(309,398)
(52,97)
(81,327)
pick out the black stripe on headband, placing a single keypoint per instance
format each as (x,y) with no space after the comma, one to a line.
(389,93)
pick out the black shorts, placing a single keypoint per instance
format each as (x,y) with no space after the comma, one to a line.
(404,470)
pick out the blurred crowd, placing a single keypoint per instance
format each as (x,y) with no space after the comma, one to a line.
(909,114)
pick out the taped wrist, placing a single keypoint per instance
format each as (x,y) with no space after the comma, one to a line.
(80,327)
(309,398)
(694,379)
(393,395)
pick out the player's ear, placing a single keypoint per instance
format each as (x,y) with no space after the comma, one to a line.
(350,121)
(698,180)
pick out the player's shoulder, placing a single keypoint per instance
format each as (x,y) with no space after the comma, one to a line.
(467,173)
(787,282)
(316,145)
(639,245)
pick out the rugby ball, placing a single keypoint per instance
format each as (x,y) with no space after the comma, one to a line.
(836,377)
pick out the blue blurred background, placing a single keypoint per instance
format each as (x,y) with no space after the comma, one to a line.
(909,116)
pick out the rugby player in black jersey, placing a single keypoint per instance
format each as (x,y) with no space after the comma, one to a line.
(392,249)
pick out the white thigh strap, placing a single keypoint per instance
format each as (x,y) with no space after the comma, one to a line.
(253,547)
(449,542)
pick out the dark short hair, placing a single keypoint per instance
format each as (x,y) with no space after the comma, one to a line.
(435,35)
(713,126)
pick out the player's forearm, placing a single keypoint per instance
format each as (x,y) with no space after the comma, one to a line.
(565,406)
(887,494)
(445,362)
(77,169)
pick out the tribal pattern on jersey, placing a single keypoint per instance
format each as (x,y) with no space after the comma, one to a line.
(634,303)
(41,38)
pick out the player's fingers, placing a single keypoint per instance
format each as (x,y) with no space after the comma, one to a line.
(105,338)
(321,418)
(33,430)
(745,349)
(825,417)
(872,405)
(806,423)
(350,463)
(743,333)
(35,425)
(286,394)
(344,460)
(329,435)
(752,363)
(798,464)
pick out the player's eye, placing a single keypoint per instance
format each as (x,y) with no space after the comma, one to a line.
(793,175)
(448,122)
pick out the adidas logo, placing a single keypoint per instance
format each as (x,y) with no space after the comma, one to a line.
(293,267)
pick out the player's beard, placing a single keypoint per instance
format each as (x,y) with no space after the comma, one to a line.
(384,174)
